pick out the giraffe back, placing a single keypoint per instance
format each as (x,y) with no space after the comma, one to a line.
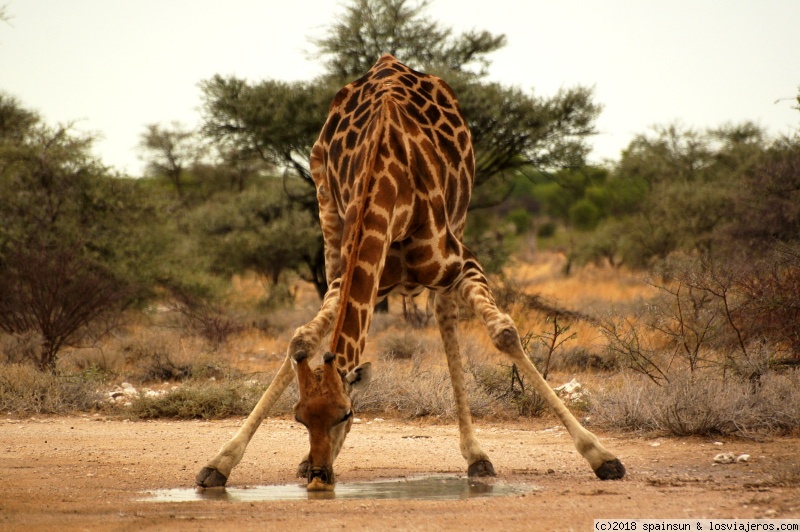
(393,167)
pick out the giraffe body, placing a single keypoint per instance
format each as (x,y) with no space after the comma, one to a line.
(393,167)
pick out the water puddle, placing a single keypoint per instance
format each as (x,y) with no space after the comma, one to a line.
(421,488)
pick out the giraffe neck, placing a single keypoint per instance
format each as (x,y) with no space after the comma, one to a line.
(365,245)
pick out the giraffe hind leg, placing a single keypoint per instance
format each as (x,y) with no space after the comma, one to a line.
(478,461)
(475,291)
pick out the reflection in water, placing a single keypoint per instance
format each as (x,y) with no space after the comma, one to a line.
(425,488)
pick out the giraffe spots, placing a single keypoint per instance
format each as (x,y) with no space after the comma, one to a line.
(433,113)
(385,193)
(437,210)
(443,101)
(449,97)
(455,119)
(397,145)
(425,275)
(463,140)
(352,102)
(450,274)
(399,223)
(384,73)
(408,80)
(447,130)
(396,171)
(362,284)
(335,151)
(418,100)
(420,254)
(426,87)
(416,115)
(371,250)
(408,126)
(420,171)
(392,271)
(345,167)
(351,326)
(340,96)
(330,126)
(451,151)
(470,160)
(350,140)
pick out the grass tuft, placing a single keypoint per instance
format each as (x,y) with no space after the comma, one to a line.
(24,390)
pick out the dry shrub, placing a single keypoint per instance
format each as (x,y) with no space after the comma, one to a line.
(400,345)
(206,400)
(703,404)
(419,388)
(25,390)
(19,348)
(164,355)
(206,318)
(505,385)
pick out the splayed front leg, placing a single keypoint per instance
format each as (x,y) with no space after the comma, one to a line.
(218,469)
(305,339)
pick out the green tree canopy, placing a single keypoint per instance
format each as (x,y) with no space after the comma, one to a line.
(73,245)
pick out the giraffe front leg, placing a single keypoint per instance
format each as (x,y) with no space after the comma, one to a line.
(306,338)
(218,469)
(478,461)
(475,292)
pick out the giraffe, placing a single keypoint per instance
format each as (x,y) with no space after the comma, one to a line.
(393,167)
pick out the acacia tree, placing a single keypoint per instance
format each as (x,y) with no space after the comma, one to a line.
(66,258)
(169,152)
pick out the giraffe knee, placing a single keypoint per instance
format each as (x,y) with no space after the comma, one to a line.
(506,339)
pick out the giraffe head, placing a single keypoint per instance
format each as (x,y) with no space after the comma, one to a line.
(326,410)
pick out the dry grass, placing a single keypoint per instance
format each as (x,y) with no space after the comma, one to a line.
(410,372)
(701,403)
(25,390)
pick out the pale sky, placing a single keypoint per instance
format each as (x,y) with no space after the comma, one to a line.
(113,66)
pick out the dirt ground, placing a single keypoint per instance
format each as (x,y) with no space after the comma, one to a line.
(90,473)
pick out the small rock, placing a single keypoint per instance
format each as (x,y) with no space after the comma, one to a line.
(742,458)
(725,458)
(718,443)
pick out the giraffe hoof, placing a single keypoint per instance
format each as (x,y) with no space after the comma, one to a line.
(302,469)
(610,470)
(481,468)
(208,477)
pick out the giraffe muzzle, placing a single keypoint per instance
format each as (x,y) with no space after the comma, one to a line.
(320,479)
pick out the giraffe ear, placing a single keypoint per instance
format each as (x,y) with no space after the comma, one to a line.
(360,376)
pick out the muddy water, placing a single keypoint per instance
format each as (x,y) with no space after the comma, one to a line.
(421,488)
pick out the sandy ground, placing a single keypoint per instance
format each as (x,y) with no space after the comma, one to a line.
(91,474)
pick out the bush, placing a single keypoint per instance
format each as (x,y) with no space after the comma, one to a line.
(208,400)
(399,345)
(25,391)
(505,385)
(701,404)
